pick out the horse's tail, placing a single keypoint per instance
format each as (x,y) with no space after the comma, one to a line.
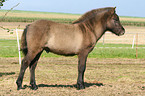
(24,48)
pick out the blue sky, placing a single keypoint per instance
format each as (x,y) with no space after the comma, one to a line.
(134,8)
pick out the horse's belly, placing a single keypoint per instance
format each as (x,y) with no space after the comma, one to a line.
(64,46)
(64,50)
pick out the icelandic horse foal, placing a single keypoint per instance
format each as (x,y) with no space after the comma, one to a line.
(78,38)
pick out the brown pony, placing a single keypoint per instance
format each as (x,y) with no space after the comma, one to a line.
(78,38)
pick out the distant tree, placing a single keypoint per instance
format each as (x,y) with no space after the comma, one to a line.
(1,2)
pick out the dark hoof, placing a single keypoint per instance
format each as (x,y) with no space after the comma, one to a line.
(80,86)
(19,87)
(34,87)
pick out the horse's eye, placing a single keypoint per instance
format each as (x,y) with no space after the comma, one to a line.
(115,19)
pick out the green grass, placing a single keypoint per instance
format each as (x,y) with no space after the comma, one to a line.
(25,19)
(66,20)
(133,23)
(9,49)
(116,52)
(131,17)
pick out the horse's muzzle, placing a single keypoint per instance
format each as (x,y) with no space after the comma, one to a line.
(122,32)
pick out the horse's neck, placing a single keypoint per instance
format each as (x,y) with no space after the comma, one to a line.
(99,31)
(95,33)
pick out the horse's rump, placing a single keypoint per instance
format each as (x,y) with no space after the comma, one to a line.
(24,42)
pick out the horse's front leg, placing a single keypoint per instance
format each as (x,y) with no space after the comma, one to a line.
(82,58)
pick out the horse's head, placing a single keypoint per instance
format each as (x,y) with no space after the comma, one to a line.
(113,23)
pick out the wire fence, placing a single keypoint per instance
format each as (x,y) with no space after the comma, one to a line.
(128,41)
(130,38)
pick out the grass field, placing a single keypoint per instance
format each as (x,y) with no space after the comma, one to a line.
(57,76)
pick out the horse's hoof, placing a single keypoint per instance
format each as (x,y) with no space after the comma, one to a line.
(19,87)
(34,87)
(80,86)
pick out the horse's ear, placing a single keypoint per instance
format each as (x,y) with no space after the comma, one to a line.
(113,10)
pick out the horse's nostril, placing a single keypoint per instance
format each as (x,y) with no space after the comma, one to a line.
(123,29)
(122,33)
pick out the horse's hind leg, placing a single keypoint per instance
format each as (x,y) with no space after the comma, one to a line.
(28,60)
(24,65)
(32,67)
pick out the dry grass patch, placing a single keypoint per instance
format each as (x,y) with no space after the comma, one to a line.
(57,76)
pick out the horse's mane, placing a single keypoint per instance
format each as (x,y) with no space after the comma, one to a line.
(91,14)
(88,20)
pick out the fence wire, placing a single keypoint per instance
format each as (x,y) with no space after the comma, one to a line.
(108,38)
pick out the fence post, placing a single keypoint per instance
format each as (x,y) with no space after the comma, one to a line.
(103,39)
(18,46)
(136,45)
(133,42)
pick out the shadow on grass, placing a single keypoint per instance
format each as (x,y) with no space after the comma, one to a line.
(7,73)
(66,86)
